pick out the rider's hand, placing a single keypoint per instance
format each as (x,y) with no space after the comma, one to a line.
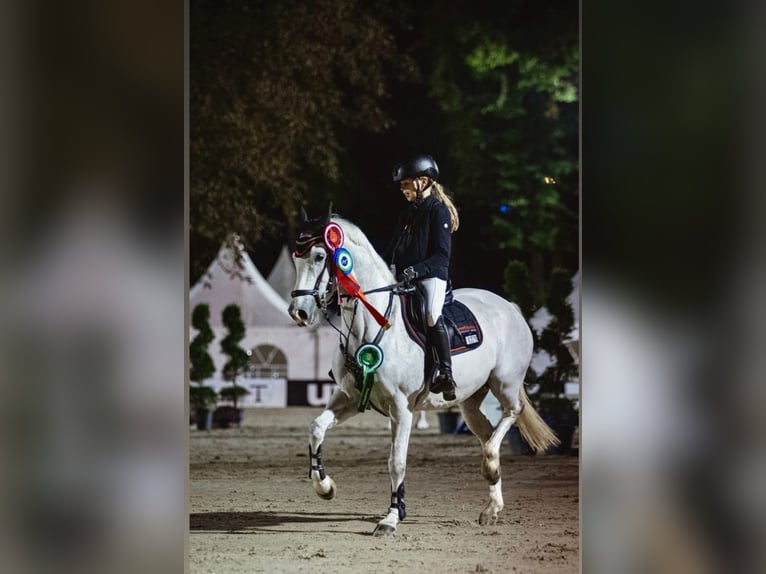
(408,275)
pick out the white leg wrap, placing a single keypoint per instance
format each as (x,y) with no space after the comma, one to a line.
(388,524)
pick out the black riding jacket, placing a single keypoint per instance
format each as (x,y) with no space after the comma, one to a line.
(423,239)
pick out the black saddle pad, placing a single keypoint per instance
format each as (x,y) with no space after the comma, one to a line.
(464,330)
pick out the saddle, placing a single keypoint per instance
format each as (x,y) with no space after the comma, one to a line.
(462,326)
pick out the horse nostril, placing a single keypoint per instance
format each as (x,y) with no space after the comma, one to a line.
(302,315)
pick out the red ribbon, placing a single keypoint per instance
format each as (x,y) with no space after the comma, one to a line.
(333,238)
(351,286)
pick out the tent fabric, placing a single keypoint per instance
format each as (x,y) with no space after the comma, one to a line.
(282,276)
(225,283)
(541,359)
(542,316)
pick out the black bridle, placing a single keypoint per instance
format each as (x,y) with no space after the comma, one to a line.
(331,286)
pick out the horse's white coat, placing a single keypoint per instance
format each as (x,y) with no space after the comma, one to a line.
(498,366)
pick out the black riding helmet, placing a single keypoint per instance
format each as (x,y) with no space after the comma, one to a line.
(419,165)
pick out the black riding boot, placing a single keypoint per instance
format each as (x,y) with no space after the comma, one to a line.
(443,383)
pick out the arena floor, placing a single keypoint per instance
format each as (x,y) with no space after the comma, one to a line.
(253,509)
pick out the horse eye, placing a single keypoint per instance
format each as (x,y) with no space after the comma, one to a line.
(318,257)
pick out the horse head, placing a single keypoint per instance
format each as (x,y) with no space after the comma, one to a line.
(314,283)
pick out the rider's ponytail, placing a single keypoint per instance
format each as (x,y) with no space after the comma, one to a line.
(441,195)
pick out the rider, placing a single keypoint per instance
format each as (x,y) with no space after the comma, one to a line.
(420,249)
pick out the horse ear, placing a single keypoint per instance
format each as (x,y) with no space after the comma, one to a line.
(329,212)
(304,215)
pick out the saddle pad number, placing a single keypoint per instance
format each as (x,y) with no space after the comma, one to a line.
(471,339)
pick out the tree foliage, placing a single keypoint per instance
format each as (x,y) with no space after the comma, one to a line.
(297,99)
(506,82)
(271,86)
(201,363)
(202,398)
(233,394)
(552,339)
(238,357)
(518,287)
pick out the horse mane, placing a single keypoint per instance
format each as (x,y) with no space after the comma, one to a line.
(356,237)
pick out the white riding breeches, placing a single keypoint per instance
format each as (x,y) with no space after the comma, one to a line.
(435,289)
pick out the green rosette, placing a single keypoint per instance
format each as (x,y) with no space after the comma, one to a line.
(369,357)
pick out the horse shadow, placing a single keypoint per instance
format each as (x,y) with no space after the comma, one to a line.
(267,521)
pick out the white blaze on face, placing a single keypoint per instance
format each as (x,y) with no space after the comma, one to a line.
(303,308)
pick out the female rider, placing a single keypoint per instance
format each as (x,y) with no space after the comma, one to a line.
(420,249)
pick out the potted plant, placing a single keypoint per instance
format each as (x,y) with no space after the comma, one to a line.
(235,366)
(201,398)
(227,415)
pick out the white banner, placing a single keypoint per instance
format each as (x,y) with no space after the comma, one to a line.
(263,392)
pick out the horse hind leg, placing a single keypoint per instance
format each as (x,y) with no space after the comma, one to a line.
(490,444)
(507,392)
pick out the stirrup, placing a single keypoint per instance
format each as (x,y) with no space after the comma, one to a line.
(445,384)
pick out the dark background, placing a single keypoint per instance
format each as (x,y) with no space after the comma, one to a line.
(382,81)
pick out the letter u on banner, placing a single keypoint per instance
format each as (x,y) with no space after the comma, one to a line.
(312,394)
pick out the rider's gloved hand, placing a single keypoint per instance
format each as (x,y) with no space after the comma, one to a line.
(408,275)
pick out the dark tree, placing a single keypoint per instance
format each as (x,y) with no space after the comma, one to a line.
(554,336)
(201,397)
(506,81)
(202,366)
(518,287)
(273,87)
(238,357)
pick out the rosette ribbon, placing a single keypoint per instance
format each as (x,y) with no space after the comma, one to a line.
(344,264)
(369,357)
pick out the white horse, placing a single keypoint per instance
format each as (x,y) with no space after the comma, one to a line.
(498,365)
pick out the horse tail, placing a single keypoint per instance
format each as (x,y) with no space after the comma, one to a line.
(533,428)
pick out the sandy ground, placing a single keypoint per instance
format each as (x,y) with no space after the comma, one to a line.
(253,508)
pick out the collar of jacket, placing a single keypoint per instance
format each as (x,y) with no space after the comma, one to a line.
(418,202)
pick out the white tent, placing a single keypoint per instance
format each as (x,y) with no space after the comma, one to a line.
(280,350)
(282,276)
(225,283)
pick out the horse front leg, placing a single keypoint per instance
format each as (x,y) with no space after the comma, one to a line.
(401,419)
(339,408)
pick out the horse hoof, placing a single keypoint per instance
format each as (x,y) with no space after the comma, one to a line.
(487,518)
(383,530)
(329,495)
